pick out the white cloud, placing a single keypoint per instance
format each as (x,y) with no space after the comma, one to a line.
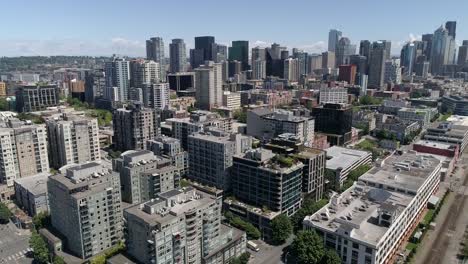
(260,43)
(317,47)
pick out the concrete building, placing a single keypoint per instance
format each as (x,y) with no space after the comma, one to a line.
(291,70)
(442,50)
(181,81)
(400,128)
(36,98)
(454,133)
(340,161)
(421,115)
(263,179)
(31,193)
(456,104)
(333,38)
(73,140)
(181,226)
(23,151)
(85,208)
(369,222)
(335,95)
(210,156)
(155,52)
(133,126)
(117,73)
(144,72)
(178,56)
(266,124)
(377,64)
(170,148)
(344,50)
(392,73)
(328,60)
(258,69)
(3,89)
(347,72)
(144,175)
(156,95)
(209,85)
(232,100)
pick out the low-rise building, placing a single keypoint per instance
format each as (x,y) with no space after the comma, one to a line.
(455,104)
(451,132)
(421,115)
(340,161)
(370,221)
(31,194)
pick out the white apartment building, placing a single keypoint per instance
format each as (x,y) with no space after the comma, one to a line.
(145,72)
(336,95)
(209,85)
(258,69)
(231,100)
(370,221)
(156,95)
(392,71)
(23,152)
(73,140)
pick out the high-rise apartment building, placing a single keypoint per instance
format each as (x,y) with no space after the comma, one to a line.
(156,95)
(209,85)
(36,98)
(328,60)
(117,73)
(144,72)
(291,70)
(73,140)
(392,71)
(240,51)
(333,38)
(144,175)
(344,49)
(134,125)
(155,52)
(181,226)
(178,56)
(314,62)
(85,208)
(258,53)
(23,151)
(258,69)
(170,148)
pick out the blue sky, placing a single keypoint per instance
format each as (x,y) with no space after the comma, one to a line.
(104,27)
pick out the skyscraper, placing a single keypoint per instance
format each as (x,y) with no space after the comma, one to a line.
(178,56)
(155,51)
(440,50)
(427,39)
(117,74)
(392,71)
(240,51)
(258,69)
(364,48)
(408,58)
(328,60)
(333,38)
(144,72)
(344,50)
(451,26)
(302,61)
(291,70)
(206,43)
(463,53)
(209,85)
(258,53)
(156,95)
(377,64)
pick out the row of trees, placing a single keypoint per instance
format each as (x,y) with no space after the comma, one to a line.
(308,248)
(251,231)
(41,252)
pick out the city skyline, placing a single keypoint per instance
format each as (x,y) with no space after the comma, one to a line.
(87,31)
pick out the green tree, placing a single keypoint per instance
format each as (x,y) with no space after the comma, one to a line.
(41,220)
(251,231)
(241,116)
(99,259)
(308,248)
(330,257)
(308,207)
(4,105)
(5,214)
(281,228)
(39,247)
(58,260)
(242,259)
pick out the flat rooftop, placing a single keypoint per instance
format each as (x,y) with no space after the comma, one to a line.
(407,171)
(458,120)
(36,184)
(355,212)
(343,157)
(434,144)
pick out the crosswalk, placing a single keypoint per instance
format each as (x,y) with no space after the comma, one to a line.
(17,255)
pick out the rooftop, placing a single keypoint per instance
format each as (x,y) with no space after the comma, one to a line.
(36,184)
(339,157)
(435,144)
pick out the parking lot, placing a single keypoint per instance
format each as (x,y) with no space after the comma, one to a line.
(14,245)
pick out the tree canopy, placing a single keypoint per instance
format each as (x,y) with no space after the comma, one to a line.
(5,214)
(281,228)
(39,246)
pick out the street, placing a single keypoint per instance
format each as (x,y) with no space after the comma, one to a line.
(14,245)
(268,254)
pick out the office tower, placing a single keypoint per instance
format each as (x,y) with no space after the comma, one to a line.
(333,38)
(144,175)
(170,148)
(388,47)
(3,89)
(144,72)
(240,51)
(262,179)
(234,67)
(155,52)
(117,73)
(95,84)
(463,53)
(258,69)
(347,73)
(275,65)
(377,64)
(344,50)
(451,27)
(427,39)
(133,126)
(178,56)
(408,58)
(73,140)
(266,124)
(85,208)
(181,81)
(36,98)
(24,151)
(206,44)
(221,53)
(328,60)
(335,120)
(181,226)
(258,53)
(440,50)
(210,157)
(156,95)
(422,68)
(361,65)
(392,71)
(196,58)
(209,85)
(314,62)
(364,48)
(291,70)
(302,62)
